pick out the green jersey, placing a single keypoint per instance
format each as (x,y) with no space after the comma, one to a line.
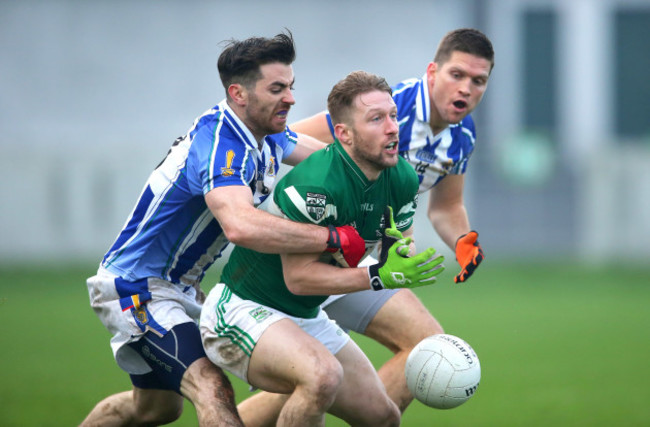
(327,188)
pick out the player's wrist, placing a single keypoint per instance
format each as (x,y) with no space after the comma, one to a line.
(376,284)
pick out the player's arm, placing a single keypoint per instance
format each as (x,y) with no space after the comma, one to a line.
(449,217)
(446,209)
(305,146)
(256,229)
(315,126)
(304,274)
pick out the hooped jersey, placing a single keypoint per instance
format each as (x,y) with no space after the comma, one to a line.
(327,188)
(171,233)
(432,156)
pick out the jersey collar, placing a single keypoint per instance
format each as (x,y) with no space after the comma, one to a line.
(422,103)
(239,127)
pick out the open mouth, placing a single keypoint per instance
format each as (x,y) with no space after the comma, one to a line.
(392,145)
(460,104)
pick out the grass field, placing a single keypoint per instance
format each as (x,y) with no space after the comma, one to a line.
(559,346)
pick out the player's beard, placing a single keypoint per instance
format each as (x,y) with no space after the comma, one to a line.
(377,161)
(261,117)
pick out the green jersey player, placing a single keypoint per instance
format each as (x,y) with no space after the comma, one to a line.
(264,323)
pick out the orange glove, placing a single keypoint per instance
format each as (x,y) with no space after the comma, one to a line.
(469,255)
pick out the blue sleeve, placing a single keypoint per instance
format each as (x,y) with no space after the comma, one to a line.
(217,160)
(286,141)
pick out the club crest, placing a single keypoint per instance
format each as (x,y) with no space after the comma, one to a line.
(315,204)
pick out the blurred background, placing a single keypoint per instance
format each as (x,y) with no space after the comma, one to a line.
(93,93)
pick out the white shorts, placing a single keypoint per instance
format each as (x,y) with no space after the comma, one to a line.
(231,326)
(129,310)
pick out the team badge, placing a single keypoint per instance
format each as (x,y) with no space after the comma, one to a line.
(228,171)
(315,205)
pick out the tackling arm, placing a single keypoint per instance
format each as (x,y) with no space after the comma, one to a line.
(255,229)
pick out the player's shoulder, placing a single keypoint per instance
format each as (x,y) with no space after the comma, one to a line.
(406,86)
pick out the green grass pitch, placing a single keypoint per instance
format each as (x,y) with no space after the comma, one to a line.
(559,345)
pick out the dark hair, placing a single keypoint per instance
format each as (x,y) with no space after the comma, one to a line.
(240,61)
(468,40)
(343,94)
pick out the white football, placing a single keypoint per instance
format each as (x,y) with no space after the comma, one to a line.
(442,371)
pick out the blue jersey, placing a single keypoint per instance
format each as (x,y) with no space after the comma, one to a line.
(171,233)
(432,156)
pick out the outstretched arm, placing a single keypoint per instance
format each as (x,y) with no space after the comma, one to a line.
(447,211)
(448,215)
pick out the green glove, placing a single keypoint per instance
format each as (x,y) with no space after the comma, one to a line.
(400,271)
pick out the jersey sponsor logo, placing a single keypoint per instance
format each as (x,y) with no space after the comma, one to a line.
(367,207)
(260,314)
(228,171)
(315,205)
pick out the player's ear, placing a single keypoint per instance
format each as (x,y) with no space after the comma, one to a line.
(432,68)
(238,94)
(342,132)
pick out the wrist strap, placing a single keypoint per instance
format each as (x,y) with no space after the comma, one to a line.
(375,280)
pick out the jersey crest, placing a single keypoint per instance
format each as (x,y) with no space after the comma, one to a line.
(315,204)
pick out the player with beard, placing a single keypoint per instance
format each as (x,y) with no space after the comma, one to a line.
(437,137)
(202,196)
(264,323)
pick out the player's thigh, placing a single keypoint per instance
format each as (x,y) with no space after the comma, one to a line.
(361,397)
(285,356)
(402,322)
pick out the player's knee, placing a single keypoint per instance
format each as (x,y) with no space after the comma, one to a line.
(323,382)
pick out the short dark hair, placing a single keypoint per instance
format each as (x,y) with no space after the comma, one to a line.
(343,94)
(468,40)
(241,60)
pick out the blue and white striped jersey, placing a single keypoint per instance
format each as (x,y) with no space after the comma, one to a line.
(171,233)
(432,156)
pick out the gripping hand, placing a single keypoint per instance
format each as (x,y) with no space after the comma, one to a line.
(400,271)
(469,255)
(346,244)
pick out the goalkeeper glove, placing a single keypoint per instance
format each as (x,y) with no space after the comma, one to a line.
(346,244)
(469,255)
(400,271)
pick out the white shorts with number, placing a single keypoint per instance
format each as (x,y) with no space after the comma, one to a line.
(231,326)
(166,306)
